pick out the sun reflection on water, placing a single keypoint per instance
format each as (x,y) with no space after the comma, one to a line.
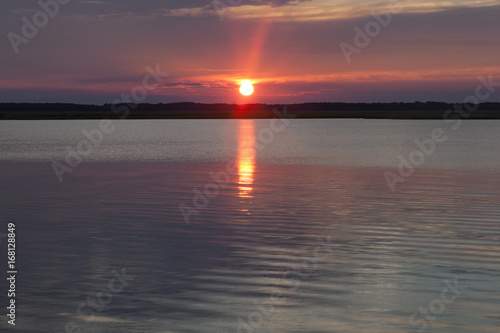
(246,157)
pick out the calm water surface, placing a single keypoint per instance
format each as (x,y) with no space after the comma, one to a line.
(301,234)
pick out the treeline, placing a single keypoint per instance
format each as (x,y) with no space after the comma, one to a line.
(189,110)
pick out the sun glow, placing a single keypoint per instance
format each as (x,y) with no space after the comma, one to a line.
(246,88)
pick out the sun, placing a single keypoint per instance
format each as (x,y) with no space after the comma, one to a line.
(246,88)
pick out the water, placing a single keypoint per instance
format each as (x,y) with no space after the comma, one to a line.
(301,234)
(342,142)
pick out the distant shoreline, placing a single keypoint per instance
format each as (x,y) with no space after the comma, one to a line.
(188,110)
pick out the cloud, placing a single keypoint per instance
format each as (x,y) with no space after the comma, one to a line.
(137,8)
(275,10)
(199,85)
(183,84)
(321,10)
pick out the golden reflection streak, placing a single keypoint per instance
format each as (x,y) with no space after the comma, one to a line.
(246,157)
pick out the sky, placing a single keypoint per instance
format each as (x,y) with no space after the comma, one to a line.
(294,51)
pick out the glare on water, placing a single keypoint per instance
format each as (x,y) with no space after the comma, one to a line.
(246,157)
